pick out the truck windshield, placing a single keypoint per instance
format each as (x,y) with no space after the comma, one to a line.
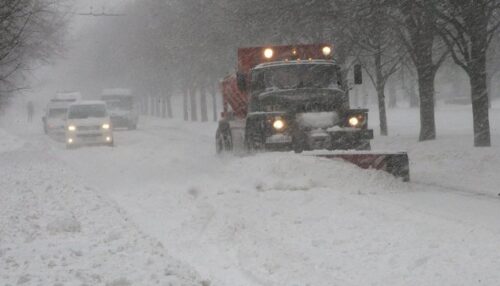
(86,111)
(294,77)
(57,112)
(119,102)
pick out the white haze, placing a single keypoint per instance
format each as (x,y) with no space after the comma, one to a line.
(161,208)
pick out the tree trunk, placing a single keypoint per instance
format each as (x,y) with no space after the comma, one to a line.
(185,103)
(144,105)
(214,101)
(163,107)
(168,100)
(392,96)
(382,112)
(192,101)
(380,86)
(152,106)
(426,74)
(158,106)
(479,99)
(203,103)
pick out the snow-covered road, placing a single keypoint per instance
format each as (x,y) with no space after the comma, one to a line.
(286,219)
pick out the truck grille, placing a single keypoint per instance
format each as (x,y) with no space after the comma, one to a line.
(315,107)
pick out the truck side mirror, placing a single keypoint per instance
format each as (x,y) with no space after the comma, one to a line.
(241,81)
(358,74)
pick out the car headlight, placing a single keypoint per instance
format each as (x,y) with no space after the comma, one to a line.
(279,124)
(354,121)
(72,128)
(106,126)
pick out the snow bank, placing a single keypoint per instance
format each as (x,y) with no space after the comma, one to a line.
(450,161)
(9,142)
(56,231)
(267,219)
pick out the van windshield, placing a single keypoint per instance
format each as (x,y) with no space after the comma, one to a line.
(86,111)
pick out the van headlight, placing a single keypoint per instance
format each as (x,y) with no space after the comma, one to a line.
(72,128)
(106,126)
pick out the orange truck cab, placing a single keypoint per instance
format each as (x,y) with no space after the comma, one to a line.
(290,98)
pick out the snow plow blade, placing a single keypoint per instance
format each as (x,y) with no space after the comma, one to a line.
(396,164)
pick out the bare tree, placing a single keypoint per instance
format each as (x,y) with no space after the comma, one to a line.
(418,32)
(30,32)
(467,27)
(381,52)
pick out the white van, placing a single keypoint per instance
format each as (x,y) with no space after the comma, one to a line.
(54,119)
(88,123)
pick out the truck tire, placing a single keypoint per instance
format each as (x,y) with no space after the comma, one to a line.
(223,141)
(298,148)
(299,143)
(254,141)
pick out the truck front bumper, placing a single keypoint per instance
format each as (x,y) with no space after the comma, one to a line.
(341,139)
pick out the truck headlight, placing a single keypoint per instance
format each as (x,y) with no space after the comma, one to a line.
(327,50)
(354,121)
(106,126)
(268,53)
(279,124)
(72,128)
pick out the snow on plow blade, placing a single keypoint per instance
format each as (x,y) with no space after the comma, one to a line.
(396,164)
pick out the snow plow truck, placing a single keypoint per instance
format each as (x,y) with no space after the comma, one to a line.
(293,98)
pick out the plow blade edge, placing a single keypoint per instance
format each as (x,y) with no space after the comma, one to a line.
(396,164)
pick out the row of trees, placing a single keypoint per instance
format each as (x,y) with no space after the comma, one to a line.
(188,45)
(31,32)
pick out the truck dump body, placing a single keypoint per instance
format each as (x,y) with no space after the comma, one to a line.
(233,97)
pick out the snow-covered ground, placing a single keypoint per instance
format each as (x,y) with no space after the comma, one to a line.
(268,219)
(56,229)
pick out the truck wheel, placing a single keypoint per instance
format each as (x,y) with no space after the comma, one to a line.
(298,144)
(298,148)
(223,141)
(254,142)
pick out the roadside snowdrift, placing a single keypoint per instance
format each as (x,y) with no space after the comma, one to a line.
(56,231)
(9,142)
